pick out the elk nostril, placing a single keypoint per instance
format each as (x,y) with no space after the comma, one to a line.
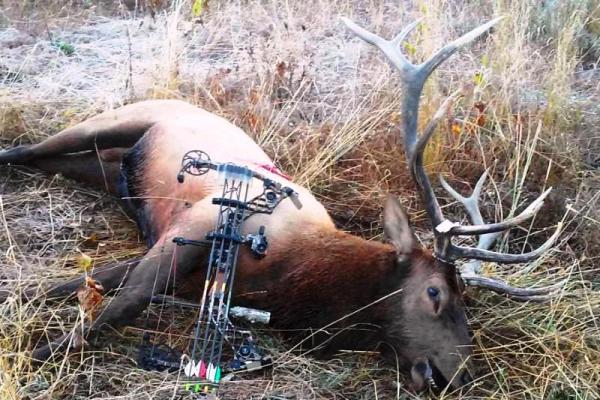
(465,378)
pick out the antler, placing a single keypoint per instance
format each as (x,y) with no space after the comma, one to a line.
(471,271)
(413,78)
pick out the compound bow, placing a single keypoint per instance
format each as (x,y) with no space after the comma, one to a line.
(201,366)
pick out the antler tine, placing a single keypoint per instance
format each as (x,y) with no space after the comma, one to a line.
(489,232)
(397,40)
(519,294)
(414,76)
(413,79)
(442,54)
(471,204)
(480,229)
(470,270)
(388,47)
(504,258)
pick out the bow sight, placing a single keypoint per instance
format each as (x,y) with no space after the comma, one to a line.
(201,365)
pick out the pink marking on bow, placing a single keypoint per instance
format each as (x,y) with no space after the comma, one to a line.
(274,170)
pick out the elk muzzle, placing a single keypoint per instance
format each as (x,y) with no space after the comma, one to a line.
(424,373)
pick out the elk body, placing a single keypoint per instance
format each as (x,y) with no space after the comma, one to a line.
(408,297)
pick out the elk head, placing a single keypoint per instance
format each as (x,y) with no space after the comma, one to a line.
(432,331)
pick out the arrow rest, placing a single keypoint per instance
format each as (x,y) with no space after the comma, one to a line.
(201,367)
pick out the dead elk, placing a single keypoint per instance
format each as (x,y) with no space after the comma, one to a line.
(314,274)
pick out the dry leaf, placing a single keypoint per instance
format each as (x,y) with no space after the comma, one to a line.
(478,79)
(91,241)
(90,298)
(456,127)
(480,120)
(84,262)
(197,8)
(281,68)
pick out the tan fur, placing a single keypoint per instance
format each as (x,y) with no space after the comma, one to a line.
(224,142)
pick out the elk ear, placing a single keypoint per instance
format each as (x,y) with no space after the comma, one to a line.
(397,227)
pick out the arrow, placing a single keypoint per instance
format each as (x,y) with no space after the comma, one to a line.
(202,370)
(192,369)
(188,368)
(210,372)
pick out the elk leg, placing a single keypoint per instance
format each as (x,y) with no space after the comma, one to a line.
(75,139)
(103,131)
(110,276)
(102,169)
(121,127)
(153,275)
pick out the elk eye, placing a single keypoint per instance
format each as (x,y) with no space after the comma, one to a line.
(433,292)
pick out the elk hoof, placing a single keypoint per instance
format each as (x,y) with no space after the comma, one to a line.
(16,155)
(71,341)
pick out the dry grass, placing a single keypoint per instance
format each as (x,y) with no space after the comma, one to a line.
(325,106)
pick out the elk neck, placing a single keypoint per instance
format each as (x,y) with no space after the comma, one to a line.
(324,275)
